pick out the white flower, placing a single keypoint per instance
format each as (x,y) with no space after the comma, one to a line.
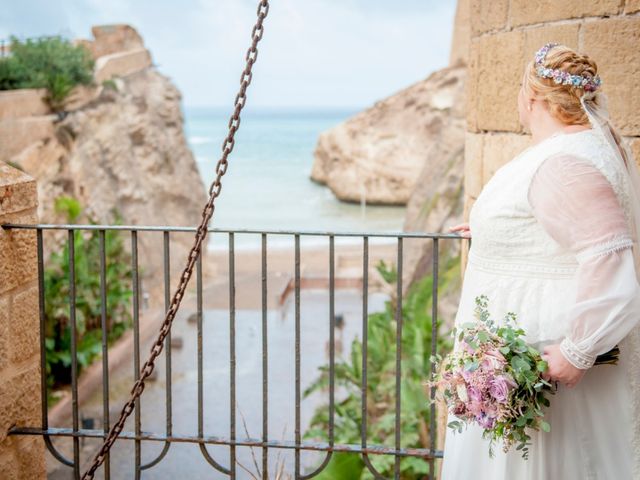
(462,392)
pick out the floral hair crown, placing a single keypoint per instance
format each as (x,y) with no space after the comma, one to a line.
(589,83)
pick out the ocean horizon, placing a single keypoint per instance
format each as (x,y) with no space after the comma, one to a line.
(267,185)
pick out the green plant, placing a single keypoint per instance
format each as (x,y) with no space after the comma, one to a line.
(53,63)
(88,298)
(110,84)
(381,381)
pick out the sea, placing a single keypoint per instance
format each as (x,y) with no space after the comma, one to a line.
(267,185)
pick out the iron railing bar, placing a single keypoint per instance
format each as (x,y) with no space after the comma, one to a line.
(298,438)
(434,338)
(265,361)
(43,353)
(247,442)
(399,320)
(332,351)
(166,262)
(74,352)
(365,351)
(105,347)
(199,310)
(232,355)
(136,345)
(139,228)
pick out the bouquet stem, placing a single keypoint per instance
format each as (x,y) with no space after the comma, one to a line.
(609,358)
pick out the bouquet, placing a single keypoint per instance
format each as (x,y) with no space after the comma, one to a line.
(495,380)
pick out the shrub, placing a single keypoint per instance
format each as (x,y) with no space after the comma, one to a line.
(88,299)
(416,369)
(53,63)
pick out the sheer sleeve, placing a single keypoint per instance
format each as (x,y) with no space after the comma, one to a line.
(577,206)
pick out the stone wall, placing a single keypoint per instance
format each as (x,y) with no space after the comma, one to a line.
(20,456)
(26,117)
(505,35)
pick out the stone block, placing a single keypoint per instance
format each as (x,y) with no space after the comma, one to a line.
(121,64)
(17,190)
(24,329)
(534,38)
(498,149)
(526,12)
(619,71)
(459,53)
(111,39)
(473,164)
(25,102)
(4,332)
(23,458)
(18,251)
(494,82)
(634,145)
(20,399)
(16,134)
(486,16)
(632,6)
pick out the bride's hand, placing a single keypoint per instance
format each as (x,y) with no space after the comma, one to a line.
(463,228)
(560,369)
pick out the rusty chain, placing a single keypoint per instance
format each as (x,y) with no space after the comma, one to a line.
(201,233)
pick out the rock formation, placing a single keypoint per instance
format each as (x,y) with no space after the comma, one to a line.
(121,146)
(379,153)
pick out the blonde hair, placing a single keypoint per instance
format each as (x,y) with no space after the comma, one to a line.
(563,100)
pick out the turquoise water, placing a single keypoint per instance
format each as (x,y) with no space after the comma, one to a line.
(267,184)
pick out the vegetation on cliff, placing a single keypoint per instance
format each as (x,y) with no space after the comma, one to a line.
(381,381)
(88,309)
(53,63)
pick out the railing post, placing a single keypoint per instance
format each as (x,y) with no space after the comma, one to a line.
(20,405)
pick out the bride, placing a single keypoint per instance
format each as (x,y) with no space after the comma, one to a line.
(555,240)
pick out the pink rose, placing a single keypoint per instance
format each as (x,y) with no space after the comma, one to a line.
(500,387)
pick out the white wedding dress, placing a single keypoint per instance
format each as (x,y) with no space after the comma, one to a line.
(551,242)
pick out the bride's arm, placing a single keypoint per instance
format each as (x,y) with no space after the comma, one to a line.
(577,206)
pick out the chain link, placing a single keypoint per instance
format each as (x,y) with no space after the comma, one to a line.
(201,233)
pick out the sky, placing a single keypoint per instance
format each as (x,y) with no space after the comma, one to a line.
(314,53)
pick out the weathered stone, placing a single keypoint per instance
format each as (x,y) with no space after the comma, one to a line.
(18,255)
(17,190)
(27,102)
(4,331)
(114,38)
(378,154)
(473,148)
(122,64)
(632,6)
(488,16)
(534,38)
(494,82)
(498,149)
(24,329)
(23,458)
(17,134)
(634,145)
(19,399)
(613,44)
(526,12)
(459,54)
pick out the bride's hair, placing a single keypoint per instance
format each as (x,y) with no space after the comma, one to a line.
(563,100)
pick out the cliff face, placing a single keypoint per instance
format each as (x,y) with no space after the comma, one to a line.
(121,146)
(379,153)
(406,149)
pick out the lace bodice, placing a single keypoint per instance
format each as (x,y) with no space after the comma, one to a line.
(562,209)
(501,219)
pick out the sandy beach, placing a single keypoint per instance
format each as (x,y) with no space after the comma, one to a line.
(280,263)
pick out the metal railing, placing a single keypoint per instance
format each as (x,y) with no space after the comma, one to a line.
(265,442)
